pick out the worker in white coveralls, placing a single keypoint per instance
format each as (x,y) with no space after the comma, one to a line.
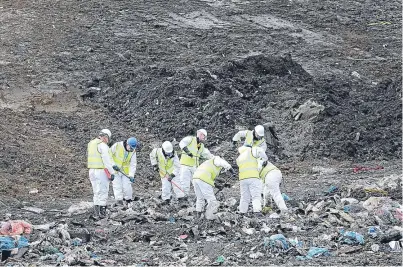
(252,138)
(271,178)
(203,184)
(165,161)
(250,183)
(124,155)
(193,151)
(100,165)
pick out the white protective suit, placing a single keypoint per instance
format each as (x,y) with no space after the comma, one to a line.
(187,172)
(271,186)
(205,191)
(99,179)
(251,188)
(122,187)
(167,187)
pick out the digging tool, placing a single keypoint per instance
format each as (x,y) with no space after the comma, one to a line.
(126,176)
(172,182)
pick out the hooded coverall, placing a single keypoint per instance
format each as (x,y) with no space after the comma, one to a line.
(99,157)
(166,167)
(250,183)
(127,162)
(271,178)
(203,184)
(189,164)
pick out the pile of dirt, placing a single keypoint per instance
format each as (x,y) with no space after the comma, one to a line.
(357,120)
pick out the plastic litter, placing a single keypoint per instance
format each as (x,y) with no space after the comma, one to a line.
(80,208)
(183,236)
(76,242)
(171,219)
(375,247)
(8,243)
(316,252)
(351,238)
(15,228)
(220,259)
(331,190)
(347,209)
(372,231)
(285,197)
(276,242)
(395,245)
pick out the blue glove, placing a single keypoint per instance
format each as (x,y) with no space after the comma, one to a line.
(116,168)
(131,179)
(112,177)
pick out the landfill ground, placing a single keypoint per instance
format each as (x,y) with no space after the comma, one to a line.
(324,75)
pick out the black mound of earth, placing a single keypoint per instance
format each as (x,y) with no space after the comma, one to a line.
(172,103)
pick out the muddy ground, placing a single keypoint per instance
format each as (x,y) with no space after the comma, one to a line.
(159,70)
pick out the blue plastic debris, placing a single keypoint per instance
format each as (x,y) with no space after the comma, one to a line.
(331,189)
(171,219)
(316,252)
(372,231)
(285,197)
(351,238)
(8,243)
(347,209)
(276,242)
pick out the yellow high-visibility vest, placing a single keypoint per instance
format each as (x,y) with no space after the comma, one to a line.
(249,139)
(165,165)
(195,160)
(268,168)
(247,164)
(122,158)
(207,172)
(94,159)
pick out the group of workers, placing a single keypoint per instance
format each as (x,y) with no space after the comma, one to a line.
(196,165)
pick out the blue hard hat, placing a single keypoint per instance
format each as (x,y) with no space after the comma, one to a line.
(132,142)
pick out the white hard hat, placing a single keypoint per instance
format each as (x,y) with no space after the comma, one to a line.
(107,132)
(259,130)
(167,147)
(204,132)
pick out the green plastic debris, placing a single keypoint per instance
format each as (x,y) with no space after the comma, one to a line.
(220,259)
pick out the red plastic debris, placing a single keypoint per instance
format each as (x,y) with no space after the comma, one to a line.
(361,168)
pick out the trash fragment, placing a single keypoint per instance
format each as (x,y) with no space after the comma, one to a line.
(372,231)
(285,197)
(351,238)
(276,242)
(308,110)
(34,191)
(220,259)
(16,227)
(361,168)
(249,231)
(256,255)
(356,74)
(331,190)
(171,219)
(44,227)
(395,246)
(375,247)
(76,242)
(183,236)
(34,210)
(80,208)
(316,252)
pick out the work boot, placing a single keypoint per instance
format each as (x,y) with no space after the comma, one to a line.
(96,212)
(183,202)
(102,212)
(128,203)
(166,202)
